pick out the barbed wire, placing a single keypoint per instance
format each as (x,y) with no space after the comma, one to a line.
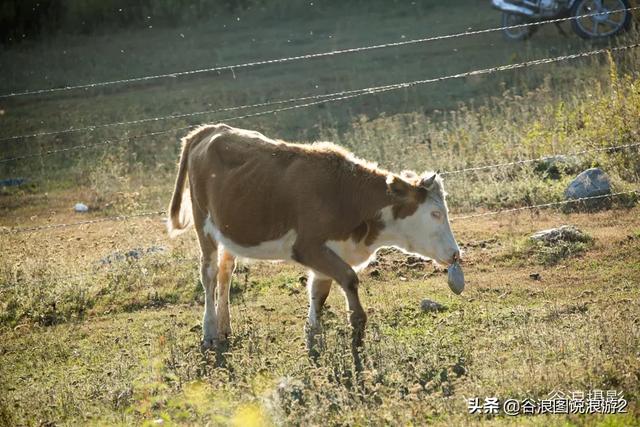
(178,116)
(18,230)
(541,158)
(357,92)
(302,57)
(343,95)
(174,262)
(543,205)
(94,145)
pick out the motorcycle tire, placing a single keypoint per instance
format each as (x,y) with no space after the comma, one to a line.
(516,34)
(621,23)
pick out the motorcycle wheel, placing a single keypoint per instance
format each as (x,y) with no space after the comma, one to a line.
(521,33)
(605,24)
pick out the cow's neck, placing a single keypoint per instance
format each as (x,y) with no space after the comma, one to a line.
(375,196)
(391,234)
(381,218)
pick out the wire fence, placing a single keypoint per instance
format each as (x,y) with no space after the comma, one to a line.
(301,57)
(541,159)
(81,223)
(321,98)
(327,98)
(308,101)
(177,116)
(173,262)
(577,201)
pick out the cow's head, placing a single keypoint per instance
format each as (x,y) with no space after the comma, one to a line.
(420,216)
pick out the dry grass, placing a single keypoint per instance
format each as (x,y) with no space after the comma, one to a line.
(120,346)
(88,342)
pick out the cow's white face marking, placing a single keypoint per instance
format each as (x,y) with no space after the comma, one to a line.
(428,232)
(278,249)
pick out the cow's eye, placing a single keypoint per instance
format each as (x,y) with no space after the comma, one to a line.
(436,215)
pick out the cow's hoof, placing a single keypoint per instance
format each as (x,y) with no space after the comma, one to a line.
(208,344)
(315,343)
(224,333)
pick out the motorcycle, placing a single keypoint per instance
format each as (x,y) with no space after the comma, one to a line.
(607,17)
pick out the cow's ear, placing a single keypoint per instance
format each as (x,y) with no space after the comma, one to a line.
(398,186)
(427,182)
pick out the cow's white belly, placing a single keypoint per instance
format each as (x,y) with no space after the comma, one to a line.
(355,254)
(276,250)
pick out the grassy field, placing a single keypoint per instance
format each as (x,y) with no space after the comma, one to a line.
(100,324)
(120,346)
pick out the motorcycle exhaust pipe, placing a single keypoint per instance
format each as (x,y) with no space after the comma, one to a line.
(510,7)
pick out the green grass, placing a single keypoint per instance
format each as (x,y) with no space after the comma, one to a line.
(118,363)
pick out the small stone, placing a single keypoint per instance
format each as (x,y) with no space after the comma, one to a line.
(459,369)
(447,390)
(81,208)
(428,306)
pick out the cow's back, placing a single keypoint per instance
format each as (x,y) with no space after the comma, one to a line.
(256,189)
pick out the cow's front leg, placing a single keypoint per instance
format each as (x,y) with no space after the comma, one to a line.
(226,265)
(318,288)
(322,259)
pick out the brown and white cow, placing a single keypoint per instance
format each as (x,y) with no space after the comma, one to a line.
(317,205)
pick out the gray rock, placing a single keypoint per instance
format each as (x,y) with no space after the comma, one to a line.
(590,183)
(564,233)
(428,306)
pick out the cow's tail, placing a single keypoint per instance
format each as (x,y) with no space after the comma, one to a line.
(180,215)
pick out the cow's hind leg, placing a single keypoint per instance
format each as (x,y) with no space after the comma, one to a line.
(208,275)
(318,288)
(226,265)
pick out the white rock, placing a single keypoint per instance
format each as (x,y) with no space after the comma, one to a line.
(564,233)
(455,278)
(81,207)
